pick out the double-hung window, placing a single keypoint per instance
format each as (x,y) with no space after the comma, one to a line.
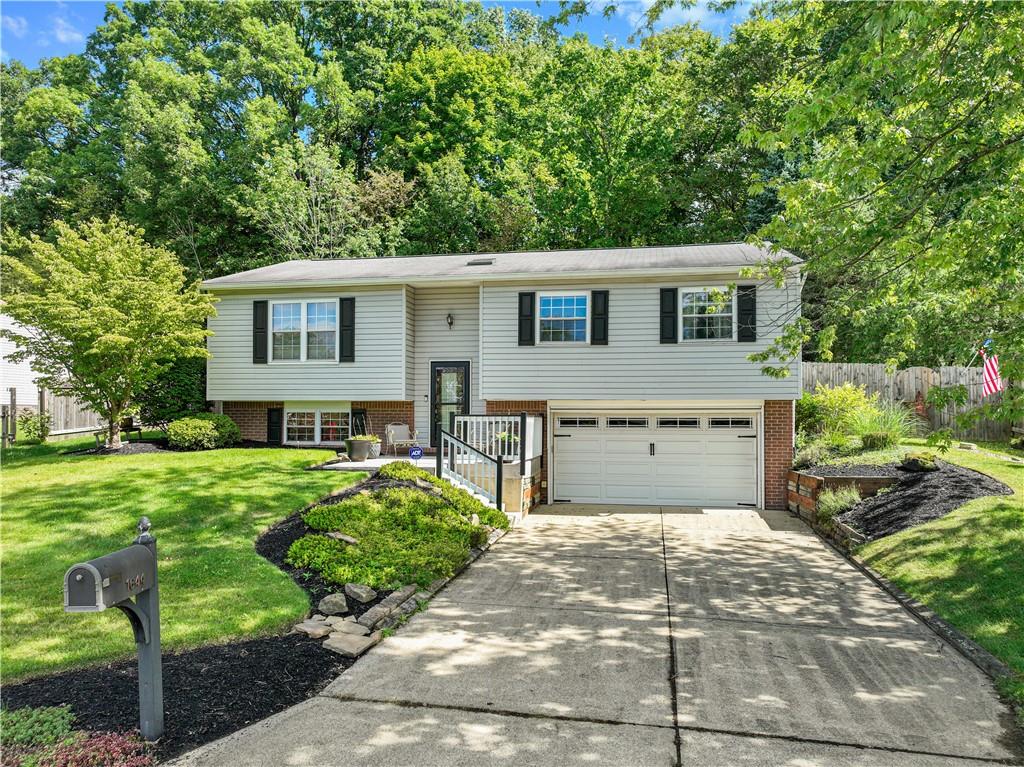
(563,317)
(317,426)
(304,330)
(707,313)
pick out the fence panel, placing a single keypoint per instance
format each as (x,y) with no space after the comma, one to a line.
(912,386)
(68,415)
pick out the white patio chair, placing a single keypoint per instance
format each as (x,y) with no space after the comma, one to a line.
(399,435)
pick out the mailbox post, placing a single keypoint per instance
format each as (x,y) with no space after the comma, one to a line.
(111,581)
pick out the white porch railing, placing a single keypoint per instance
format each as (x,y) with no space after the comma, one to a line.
(513,438)
(465,466)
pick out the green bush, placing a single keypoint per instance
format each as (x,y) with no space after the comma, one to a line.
(882,425)
(919,461)
(828,407)
(812,455)
(35,726)
(465,503)
(832,503)
(33,426)
(203,431)
(405,535)
(1017,443)
(180,391)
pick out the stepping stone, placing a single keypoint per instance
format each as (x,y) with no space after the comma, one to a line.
(315,629)
(333,604)
(351,645)
(350,628)
(360,593)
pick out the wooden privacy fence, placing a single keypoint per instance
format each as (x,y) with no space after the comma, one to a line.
(912,385)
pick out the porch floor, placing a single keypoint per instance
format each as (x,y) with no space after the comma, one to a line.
(427,462)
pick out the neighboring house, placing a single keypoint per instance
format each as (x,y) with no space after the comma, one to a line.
(16,375)
(643,382)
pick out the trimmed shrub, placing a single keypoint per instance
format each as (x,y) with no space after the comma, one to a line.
(882,425)
(828,407)
(813,454)
(465,503)
(832,503)
(180,391)
(35,726)
(919,462)
(204,431)
(33,426)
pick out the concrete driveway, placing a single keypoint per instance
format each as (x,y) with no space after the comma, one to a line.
(619,636)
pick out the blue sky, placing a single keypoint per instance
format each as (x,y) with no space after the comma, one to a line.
(30,31)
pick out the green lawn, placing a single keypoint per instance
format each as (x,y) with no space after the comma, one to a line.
(207,509)
(969,565)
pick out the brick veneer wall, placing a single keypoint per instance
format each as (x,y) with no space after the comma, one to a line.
(778,451)
(251,418)
(380,414)
(530,407)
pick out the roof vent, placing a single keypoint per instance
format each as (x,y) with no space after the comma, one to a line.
(480,262)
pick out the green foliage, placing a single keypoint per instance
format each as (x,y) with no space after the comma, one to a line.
(102,312)
(406,535)
(365,437)
(462,501)
(1017,443)
(813,454)
(179,391)
(829,408)
(882,425)
(203,431)
(35,726)
(33,426)
(919,461)
(832,503)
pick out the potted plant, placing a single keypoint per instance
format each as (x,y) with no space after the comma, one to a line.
(360,445)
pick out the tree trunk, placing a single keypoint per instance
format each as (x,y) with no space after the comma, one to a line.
(114,430)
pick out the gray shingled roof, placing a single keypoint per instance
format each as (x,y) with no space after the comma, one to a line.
(490,266)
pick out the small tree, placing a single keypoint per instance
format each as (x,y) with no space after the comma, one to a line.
(103,313)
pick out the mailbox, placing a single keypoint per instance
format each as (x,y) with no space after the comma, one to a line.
(109,580)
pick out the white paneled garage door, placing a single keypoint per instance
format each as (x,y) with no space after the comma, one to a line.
(671,458)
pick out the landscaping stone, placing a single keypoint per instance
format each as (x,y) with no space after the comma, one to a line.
(351,645)
(350,628)
(333,604)
(378,613)
(348,539)
(315,629)
(967,446)
(920,462)
(360,593)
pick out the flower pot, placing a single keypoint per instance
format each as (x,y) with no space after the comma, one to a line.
(375,450)
(358,449)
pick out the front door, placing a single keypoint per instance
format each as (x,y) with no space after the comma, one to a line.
(449,394)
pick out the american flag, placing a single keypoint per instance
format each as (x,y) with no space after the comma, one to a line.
(990,374)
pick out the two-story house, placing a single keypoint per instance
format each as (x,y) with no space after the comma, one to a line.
(635,357)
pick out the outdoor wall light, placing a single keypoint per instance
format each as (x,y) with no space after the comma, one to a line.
(450,320)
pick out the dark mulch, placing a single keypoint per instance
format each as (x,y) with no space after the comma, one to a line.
(208,692)
(854,470)
(920,497)
(128,448)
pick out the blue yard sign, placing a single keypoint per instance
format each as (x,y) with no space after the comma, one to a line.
(415,452)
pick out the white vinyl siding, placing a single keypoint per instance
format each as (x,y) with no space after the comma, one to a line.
(376,374)
(436,342)
(634,365)
(410,342)
(19,375)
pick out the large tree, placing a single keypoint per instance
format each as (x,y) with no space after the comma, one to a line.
(102,313)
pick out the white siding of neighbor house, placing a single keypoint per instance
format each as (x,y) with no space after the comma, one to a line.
(410,341)
(634,365)
(435,342)
(376,374)
(16,375)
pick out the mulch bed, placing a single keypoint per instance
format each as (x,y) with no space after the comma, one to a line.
(209,692)
(854,470)
(128,448)
(920,497)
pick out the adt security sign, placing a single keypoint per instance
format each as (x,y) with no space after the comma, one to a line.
(415,452)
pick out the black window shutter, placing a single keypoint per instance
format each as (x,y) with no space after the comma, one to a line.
(259,332)
(527,318)
(669,315)
(746,313)
(348,330)
(599,317)
(275,425)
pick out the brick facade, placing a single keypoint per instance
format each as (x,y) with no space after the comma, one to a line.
(251,418)
(778,451)
(380,413)
(530,407)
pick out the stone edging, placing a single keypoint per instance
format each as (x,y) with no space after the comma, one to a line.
(971,650)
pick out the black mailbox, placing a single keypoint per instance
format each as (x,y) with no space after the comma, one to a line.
(109,580)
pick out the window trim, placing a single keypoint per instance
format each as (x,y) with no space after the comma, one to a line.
(316,411)
(586,318)
(706,289)
(303,333)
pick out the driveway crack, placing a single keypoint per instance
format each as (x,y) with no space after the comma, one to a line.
(673,671)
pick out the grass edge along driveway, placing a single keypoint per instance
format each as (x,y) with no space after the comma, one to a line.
(968,566)
(207,509)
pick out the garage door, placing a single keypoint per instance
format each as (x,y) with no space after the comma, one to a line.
(686,459)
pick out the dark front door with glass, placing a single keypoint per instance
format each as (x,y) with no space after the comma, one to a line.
(449,394)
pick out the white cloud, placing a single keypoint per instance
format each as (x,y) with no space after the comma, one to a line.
(16,25)
(634,12)
(65,32)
